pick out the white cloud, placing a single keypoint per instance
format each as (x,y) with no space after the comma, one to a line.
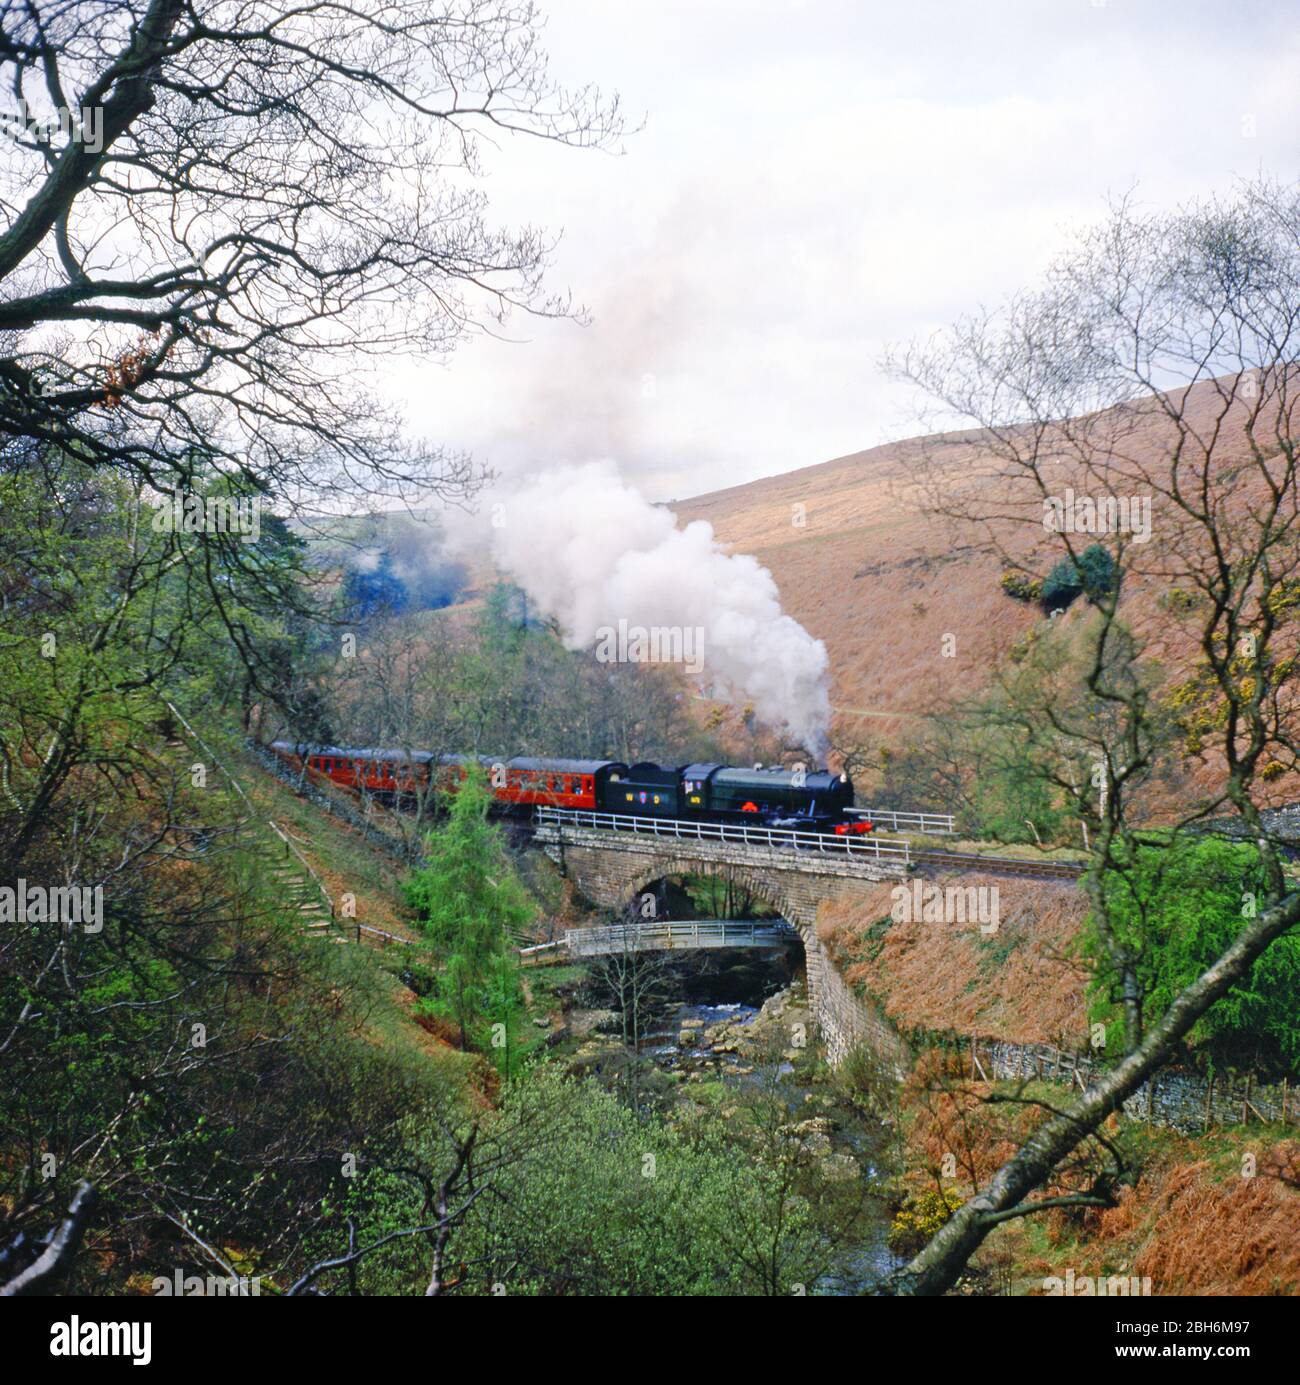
(816,180)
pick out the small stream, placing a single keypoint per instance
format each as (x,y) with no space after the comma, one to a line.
(717,994)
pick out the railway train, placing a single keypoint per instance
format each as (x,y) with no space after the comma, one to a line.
(807,800)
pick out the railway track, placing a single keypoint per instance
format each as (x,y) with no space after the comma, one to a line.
(1003,865)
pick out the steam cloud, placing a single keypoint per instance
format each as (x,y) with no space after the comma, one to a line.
(394,563)
(591,551)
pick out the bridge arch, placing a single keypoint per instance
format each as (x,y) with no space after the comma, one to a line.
(761,885)
(612,868)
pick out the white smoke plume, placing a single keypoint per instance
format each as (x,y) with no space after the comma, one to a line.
(590,551)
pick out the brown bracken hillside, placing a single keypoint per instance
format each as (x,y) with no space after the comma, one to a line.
(863,560)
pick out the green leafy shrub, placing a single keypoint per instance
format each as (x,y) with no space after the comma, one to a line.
(1061,586)
(1177,905)
(1098,571)
(1096,574)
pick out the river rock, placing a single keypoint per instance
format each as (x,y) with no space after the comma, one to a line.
(585,1021)
(840,1166)
(814,1133)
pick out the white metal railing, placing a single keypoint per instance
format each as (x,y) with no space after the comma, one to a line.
(738,834)
(927,824)
(633,937)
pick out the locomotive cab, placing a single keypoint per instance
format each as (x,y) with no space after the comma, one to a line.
(696,802)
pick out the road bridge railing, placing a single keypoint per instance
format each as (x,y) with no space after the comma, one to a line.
(662,936)
(895,854)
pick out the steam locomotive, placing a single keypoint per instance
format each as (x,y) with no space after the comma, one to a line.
(806,800)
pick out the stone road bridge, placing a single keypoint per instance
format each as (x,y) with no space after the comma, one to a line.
(611,858)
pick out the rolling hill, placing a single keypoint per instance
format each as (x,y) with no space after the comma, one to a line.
(865,562)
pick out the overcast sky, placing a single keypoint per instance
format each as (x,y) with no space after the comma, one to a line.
(817,179)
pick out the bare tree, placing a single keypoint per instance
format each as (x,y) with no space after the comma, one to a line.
(219,213)
(640,983)
(1158,364)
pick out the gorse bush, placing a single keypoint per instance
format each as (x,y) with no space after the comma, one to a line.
(920,1216)
(1022,588)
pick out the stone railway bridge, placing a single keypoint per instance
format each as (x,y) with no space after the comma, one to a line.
(610,868)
